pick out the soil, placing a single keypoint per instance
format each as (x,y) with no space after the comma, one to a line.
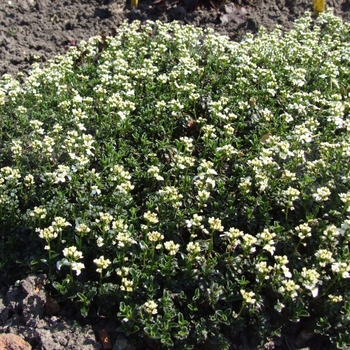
(35,31)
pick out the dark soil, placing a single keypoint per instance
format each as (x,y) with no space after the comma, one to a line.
(35,31)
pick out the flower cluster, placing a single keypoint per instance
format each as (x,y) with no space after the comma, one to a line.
(71,257)
(101,263)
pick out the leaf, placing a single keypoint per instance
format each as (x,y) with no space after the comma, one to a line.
(90,295)
(265,137)
(122,306)
(197,294)
(143,245)
(182,322)
(83,298)
(55,255)
(303,313)
(84,310)
(192,307)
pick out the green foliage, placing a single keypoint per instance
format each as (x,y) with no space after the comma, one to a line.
(192,187)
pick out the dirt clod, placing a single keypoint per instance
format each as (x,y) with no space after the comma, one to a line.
(104,339)
(22,313)
(52,306)
(13,342)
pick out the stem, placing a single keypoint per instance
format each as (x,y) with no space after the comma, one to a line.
(152,255)
(144,258)
(242,307)
(71,271)
(168,267)
(80,242)
(332,284)
(345,209)
(49,262)
(297,246)
(211,243)
(60,240)
(286,216)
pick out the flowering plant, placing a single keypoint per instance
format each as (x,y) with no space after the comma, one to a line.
(192,187)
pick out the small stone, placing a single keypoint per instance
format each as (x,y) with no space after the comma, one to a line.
(104,339)
(17,319)
(52,307)
(122,344)
(13,342)
(303,337)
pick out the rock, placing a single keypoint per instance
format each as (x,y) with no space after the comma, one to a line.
(13,342)
(51,306)
(62,335)
(122,344)
(16,319)
(26,5)
(104,339)
(4,311)
(304,336)
(33,303)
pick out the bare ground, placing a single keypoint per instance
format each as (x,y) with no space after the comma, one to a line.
(39,29)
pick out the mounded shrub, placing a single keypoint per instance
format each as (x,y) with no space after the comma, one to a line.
(193,187)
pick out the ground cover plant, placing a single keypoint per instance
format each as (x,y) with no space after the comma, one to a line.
(193,187)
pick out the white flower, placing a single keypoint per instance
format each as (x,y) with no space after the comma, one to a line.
(48,233)
(248,297)
(335,298)
(196,221)
(203,195)
(63,262)
(82,229)
(310,278)
(151,217)
(341,268)
(324,257)
(150,307)
(72,253)
(60,223)
(77,267)
(279,306)
(215,224)
(154,171)
(95,190)
(123,272)
(155,236)
(100,241)
(101,263)
(193,248)
(290,287)
(281,262)
(29,180)
(322,194)
(127,285)
(171,247)
(40,212)
(345,198)
(303,230)
(269,248)
(286,272)
(16,148)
